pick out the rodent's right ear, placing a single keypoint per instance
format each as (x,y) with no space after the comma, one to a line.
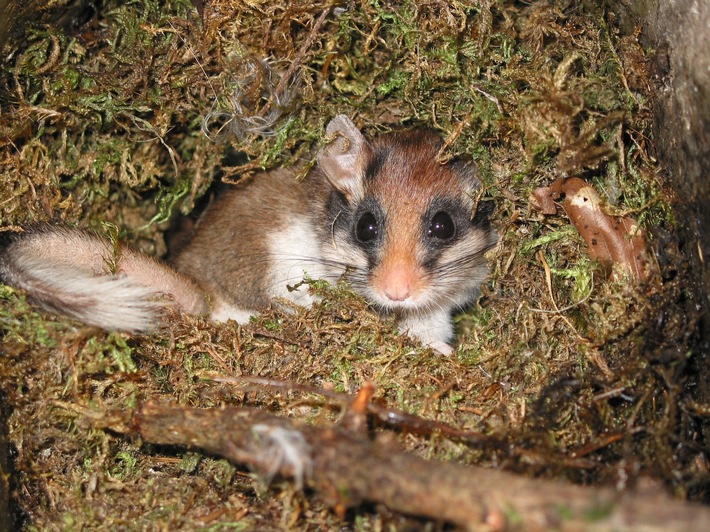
(342,159)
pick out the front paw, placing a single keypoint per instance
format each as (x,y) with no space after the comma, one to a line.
(441,347)
(433,330)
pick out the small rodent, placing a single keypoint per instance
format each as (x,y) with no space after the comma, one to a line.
(403,229)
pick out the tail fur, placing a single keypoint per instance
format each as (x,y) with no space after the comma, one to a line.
(82,276)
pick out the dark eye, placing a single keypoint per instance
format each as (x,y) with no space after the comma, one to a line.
(367,229)
(441,226)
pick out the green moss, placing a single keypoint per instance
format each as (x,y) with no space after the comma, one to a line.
(124,466)
(105,125)
(21,324)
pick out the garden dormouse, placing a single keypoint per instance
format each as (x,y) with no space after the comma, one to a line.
(404,229)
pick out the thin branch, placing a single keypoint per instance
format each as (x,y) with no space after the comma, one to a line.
(346,468)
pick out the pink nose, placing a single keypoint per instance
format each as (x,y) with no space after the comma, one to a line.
(397,287)
(397,294)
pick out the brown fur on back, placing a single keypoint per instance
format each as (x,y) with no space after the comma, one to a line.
(228,254)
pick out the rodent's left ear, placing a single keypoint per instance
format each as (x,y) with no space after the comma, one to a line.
(342,159)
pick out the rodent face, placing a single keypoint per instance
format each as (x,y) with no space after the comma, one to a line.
(411,239)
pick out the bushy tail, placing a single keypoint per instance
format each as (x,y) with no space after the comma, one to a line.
(82,276)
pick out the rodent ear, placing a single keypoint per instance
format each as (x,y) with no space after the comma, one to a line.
(341,160)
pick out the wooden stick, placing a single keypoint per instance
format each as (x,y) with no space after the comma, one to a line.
(346,468)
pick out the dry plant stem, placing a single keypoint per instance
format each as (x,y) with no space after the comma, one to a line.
(347,468)
(384,415)
(300,56)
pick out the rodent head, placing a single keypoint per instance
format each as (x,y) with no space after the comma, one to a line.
(403,223)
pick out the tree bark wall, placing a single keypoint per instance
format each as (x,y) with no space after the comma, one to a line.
(679,32)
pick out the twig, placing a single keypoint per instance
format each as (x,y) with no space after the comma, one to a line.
(300,56)
(383,414)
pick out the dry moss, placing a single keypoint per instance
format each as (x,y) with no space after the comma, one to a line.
(132,116)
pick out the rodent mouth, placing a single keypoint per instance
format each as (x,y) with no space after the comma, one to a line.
(412,303)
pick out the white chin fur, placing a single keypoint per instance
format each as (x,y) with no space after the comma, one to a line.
(422,302)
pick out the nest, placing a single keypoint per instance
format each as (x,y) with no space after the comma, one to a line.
(136,114)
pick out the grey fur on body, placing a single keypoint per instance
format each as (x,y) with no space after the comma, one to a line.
(399,225)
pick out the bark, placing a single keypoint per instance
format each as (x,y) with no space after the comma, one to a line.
(5,512)
(678,32)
